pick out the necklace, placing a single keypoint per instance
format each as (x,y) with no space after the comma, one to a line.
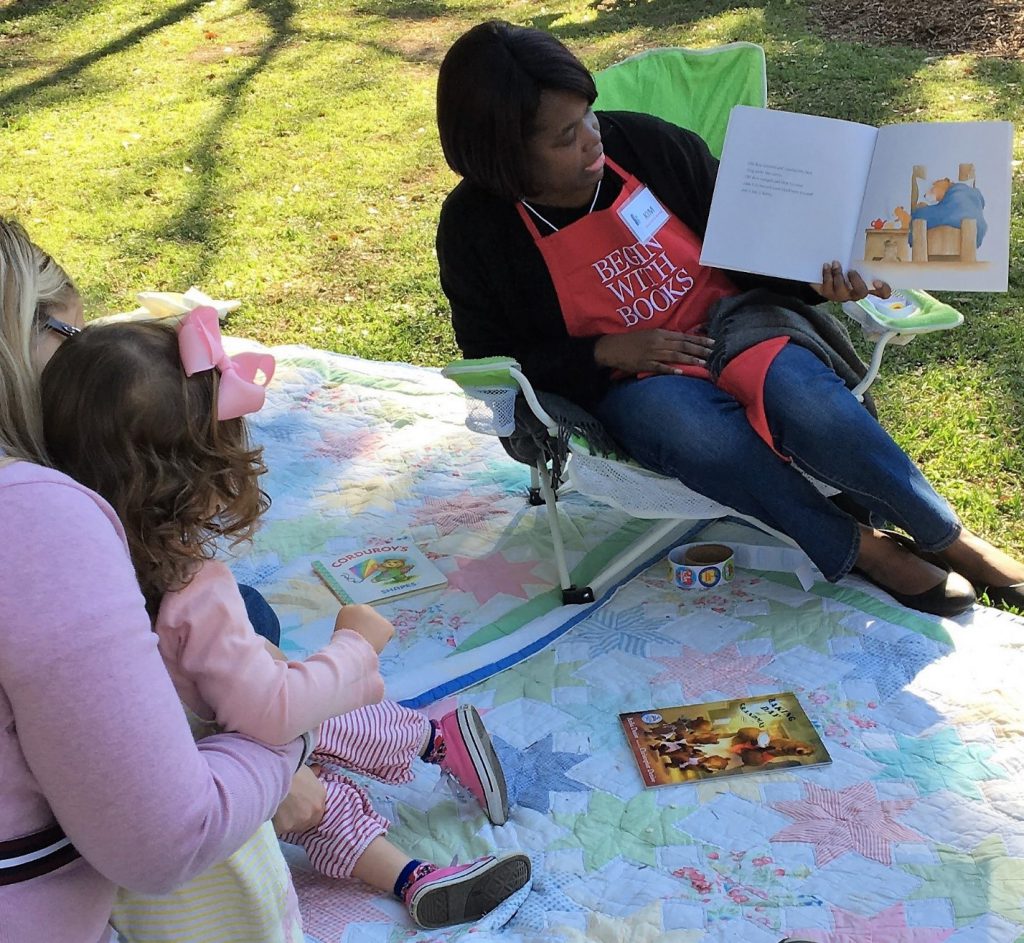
(548,222)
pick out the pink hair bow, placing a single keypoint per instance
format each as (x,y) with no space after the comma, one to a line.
(201,348)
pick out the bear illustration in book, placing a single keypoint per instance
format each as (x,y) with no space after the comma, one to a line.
(946,203)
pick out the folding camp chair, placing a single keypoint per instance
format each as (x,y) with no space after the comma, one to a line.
(696,89)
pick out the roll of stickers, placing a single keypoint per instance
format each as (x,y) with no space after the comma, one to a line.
(701,566)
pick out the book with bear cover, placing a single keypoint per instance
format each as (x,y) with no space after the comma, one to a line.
(722,738)
(379,571)
(919,205)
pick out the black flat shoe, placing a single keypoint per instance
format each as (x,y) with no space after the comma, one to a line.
(1002,596)
(999,597)
(951,597)
(943,599)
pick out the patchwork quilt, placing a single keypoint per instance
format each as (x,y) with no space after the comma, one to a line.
(913,834)
(361,451)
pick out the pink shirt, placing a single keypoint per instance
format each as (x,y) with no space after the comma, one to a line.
(92,734)
(223,671)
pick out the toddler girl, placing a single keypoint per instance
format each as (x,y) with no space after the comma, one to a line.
(150,417)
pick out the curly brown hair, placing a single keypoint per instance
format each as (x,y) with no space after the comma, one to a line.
(121,418)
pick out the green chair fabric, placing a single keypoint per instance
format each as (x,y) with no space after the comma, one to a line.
(907,312)
(694,88)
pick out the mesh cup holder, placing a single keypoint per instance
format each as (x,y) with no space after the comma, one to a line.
(491,411)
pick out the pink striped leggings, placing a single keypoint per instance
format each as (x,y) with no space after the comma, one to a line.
(380,741)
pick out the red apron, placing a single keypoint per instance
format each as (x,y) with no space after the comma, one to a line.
(609,283)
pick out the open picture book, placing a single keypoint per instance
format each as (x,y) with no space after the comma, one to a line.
(722,738)
(915,205)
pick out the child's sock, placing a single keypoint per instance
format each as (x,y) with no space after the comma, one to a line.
(410,874)
(435,750)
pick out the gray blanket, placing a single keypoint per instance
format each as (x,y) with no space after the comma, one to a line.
(740,322)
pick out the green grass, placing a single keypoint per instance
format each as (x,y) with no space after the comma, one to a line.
(284,152)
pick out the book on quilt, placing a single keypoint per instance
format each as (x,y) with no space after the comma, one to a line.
(921,205)
(379,571)
(722,738)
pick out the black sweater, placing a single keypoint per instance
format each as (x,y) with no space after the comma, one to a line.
(502,299)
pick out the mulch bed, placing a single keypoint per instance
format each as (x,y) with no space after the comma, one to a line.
(985,27)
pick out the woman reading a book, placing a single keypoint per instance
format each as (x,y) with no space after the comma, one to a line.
(102,783)
(572,244)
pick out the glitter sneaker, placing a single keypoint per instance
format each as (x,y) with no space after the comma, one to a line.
(465,892)
(469,758)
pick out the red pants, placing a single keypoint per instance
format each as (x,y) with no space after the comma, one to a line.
(380,741)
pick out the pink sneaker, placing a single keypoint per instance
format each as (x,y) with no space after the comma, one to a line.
(470,758)
(465,892)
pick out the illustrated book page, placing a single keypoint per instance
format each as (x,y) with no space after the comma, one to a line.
(936,208)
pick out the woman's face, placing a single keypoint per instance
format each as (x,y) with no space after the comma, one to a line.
(47,341)
(565,152)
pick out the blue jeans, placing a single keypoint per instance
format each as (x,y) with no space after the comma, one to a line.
(689,429)
(264,620)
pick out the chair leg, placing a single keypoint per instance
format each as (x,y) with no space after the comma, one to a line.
(570,594)
(557,543)
(876,362)
(534,496)
(638,551)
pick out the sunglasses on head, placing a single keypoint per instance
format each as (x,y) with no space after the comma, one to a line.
(61,327)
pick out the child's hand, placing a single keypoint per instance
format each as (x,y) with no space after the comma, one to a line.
(303,807)
(367,622)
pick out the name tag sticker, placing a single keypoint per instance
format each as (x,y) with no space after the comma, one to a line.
(643,214)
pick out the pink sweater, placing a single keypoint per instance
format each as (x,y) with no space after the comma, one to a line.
(92,734)
(223,671)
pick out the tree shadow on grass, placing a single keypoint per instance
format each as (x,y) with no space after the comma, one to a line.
(63,9)
(61,81)
(194,222)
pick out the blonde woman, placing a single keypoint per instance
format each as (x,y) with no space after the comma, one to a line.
(102,784)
